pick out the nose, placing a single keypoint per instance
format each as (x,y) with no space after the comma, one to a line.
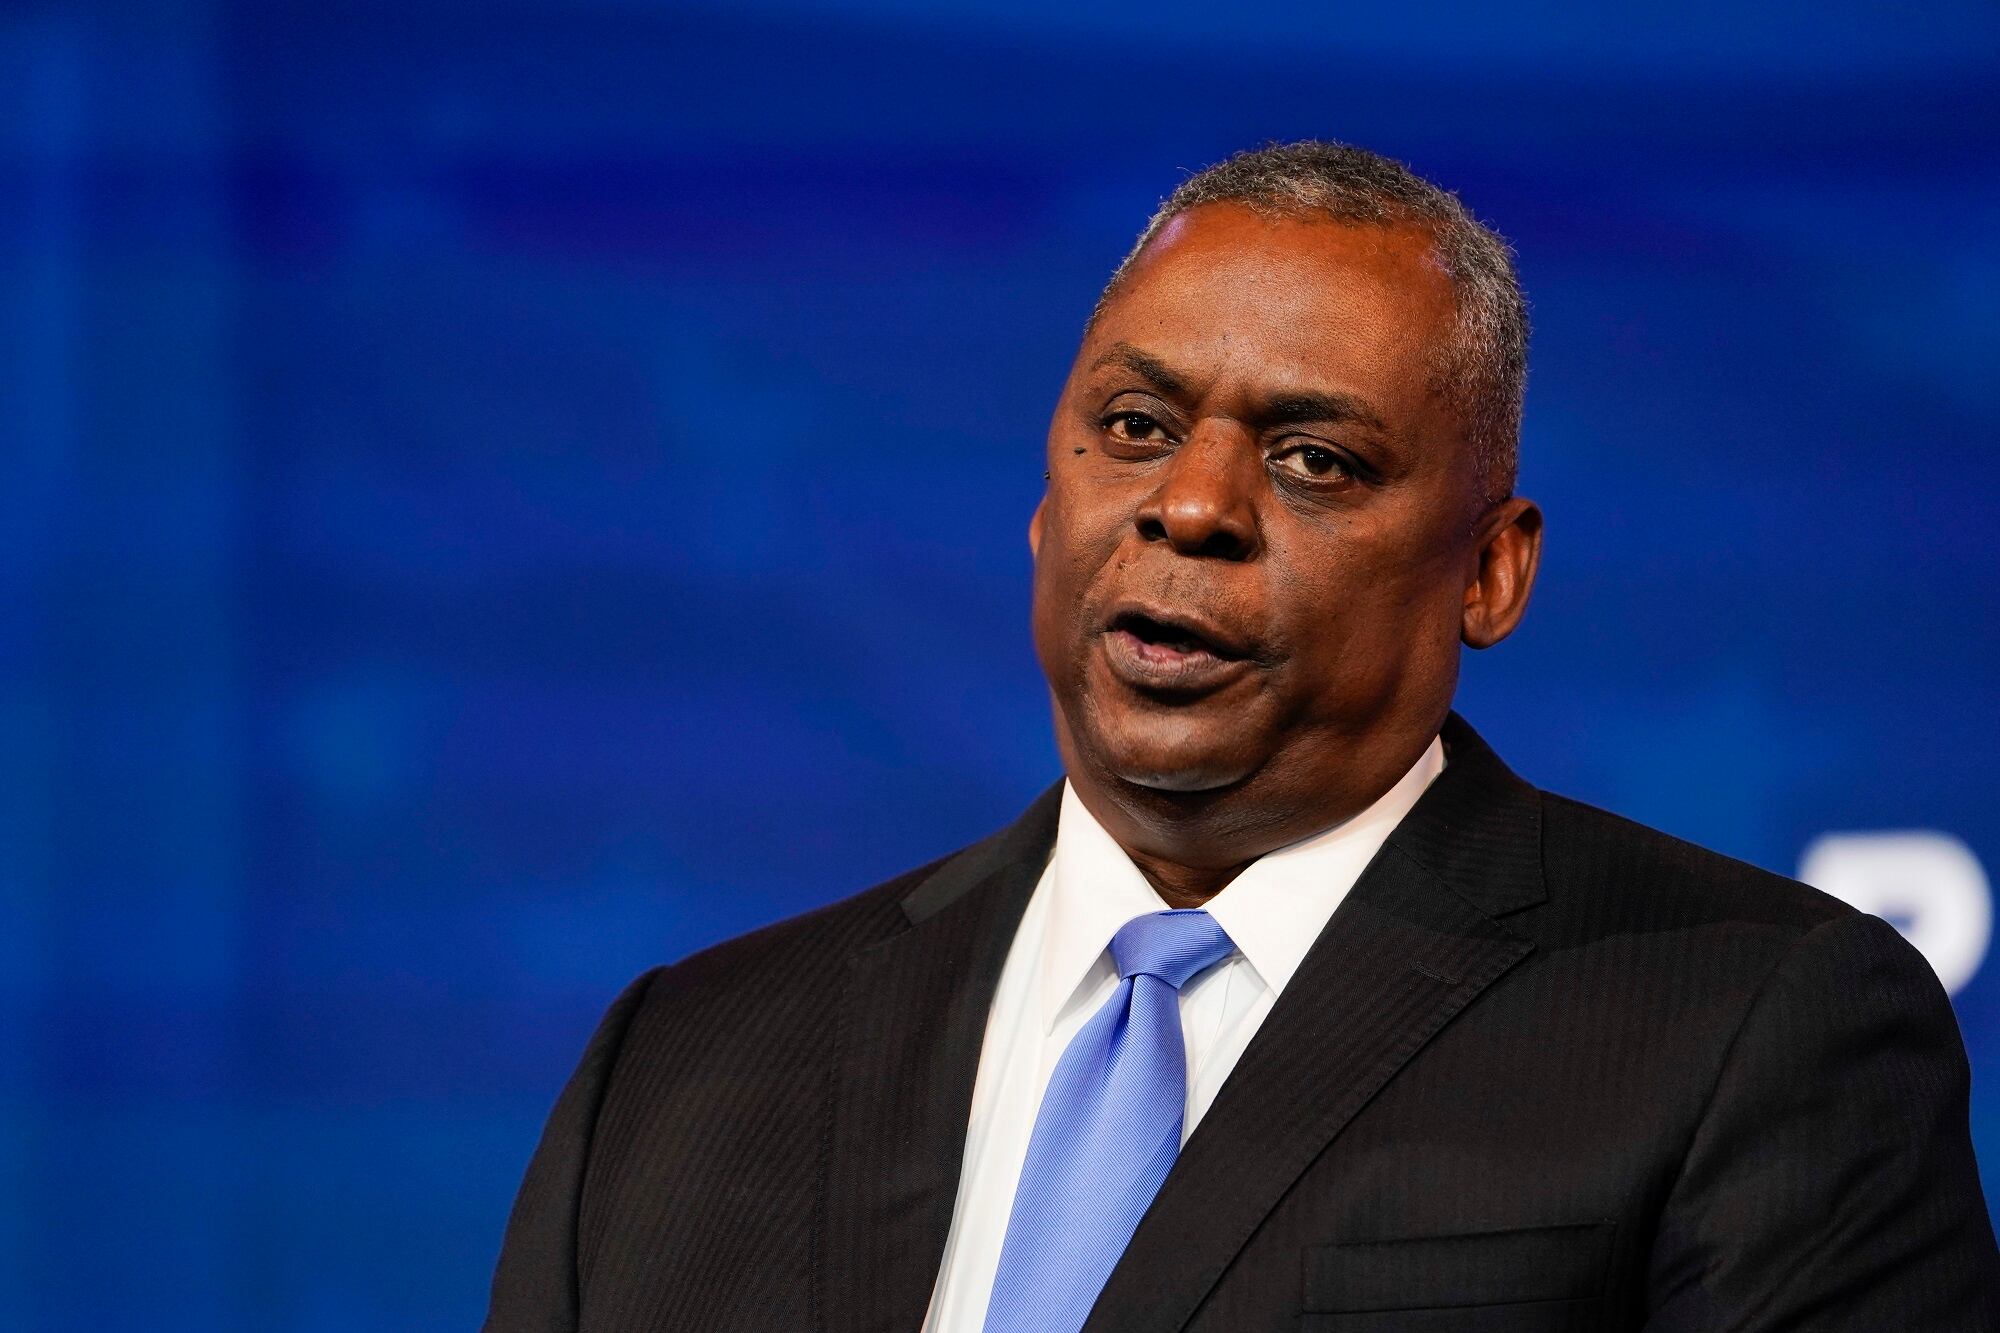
(1204,504)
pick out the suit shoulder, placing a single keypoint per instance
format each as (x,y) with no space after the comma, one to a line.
(730,1001)
(726,1002)
(799,946)
(1621,867)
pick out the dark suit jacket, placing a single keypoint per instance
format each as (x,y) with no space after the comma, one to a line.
(1544,1069)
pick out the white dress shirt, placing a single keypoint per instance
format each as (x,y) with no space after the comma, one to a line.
(1059,972)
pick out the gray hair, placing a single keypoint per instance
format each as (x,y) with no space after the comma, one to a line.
(1483,368)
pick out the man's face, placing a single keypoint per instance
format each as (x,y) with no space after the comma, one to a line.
(1253,558)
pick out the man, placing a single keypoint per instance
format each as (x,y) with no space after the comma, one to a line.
(1291,1007)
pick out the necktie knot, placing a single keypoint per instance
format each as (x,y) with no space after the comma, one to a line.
(1172,946)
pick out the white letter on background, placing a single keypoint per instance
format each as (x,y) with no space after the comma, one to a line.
(1928,885)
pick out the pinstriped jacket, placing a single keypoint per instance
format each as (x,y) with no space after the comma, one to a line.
(1545,1069)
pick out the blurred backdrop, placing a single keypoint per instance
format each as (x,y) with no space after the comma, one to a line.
(498,495)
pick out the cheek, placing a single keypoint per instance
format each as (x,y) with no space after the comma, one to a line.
(1061,578)
(1077,548)
(1361,609)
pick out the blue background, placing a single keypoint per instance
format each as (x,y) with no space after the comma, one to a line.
(499,495)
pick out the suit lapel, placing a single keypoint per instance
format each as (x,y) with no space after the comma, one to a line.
(911,1025)
(1416,941)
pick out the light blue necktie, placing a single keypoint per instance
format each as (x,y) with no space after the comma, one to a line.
(1108,1130)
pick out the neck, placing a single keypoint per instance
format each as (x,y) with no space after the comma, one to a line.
(1183,885)
(1191,844)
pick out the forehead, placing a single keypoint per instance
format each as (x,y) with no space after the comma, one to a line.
(1224,288)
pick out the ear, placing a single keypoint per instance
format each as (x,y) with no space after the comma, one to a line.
(1035,526)
(1510,549)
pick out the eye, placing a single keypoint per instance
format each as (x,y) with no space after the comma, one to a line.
(1313,460)
(1136,427)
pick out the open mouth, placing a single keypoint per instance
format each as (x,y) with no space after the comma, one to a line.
(1169,658)
(1168,636)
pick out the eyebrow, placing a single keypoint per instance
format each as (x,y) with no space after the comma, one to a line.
(1290,409)
(1281,409)
(1149,368)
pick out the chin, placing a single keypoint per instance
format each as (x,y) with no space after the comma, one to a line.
(1171,756)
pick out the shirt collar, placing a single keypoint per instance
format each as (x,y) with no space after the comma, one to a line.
(1272,912)
(1096,889)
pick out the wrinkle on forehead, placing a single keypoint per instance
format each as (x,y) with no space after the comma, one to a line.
(1247,305)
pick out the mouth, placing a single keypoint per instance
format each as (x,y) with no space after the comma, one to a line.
(1164,653)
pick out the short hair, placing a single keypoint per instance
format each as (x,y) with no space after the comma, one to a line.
(1484,366)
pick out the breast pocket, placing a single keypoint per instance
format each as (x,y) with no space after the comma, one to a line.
(1543,1279)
